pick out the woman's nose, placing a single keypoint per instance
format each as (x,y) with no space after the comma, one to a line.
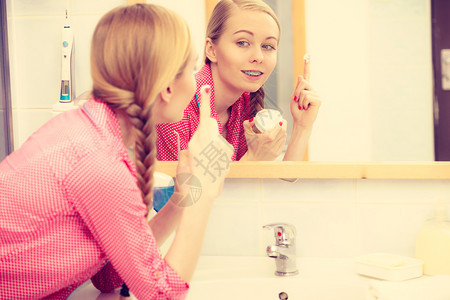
(257,55)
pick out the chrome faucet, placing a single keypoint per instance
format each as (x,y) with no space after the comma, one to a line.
(284,249)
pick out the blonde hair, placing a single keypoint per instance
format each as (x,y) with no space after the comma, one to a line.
(136,51)
(216,25)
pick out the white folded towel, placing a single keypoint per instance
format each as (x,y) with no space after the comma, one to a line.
(423,288)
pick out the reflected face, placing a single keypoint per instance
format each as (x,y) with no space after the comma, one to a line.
(246,52)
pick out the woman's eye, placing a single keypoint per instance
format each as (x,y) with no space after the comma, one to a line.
(269,47)
(243,43)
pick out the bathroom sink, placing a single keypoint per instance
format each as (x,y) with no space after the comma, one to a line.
(253,278)
(228,277)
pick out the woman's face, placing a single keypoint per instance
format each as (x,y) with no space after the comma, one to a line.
(246,52)
(182,89)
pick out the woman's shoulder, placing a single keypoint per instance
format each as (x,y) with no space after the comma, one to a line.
(204,77)
(205,71)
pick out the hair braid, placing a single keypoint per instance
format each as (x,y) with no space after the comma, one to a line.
(144,149)
(128,72)
(257,101)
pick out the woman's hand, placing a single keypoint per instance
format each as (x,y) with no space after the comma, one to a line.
(200,175)
(202,168)
(264,146)
(305,101)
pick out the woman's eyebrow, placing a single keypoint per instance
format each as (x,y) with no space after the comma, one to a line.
(243,30)
(251,33)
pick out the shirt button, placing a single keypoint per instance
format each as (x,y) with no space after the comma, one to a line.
(156,275)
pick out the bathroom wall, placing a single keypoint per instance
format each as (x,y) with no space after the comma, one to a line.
(34,29)
(333,217)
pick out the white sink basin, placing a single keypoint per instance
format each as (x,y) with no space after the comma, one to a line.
(227,277)
(253,278)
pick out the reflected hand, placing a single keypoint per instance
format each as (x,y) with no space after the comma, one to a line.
(264,146)
(305,101)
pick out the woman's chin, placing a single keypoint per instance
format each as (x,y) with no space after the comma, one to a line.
(253,88)
(167,117)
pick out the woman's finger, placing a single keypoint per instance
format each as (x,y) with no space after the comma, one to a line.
(208,124)
(306,97)
(276,131)
(205,100)
(248,126)
(300,86)
(307,67)
(301,101)
(307,89)
(294,95)
(313,100)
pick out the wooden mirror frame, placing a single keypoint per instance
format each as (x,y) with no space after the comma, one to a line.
(329,170)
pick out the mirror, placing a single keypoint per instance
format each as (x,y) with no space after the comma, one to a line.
(371,64)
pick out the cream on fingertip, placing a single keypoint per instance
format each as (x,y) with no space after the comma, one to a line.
(307,57)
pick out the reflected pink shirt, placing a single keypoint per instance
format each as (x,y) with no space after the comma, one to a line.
(240,111)
(71,209)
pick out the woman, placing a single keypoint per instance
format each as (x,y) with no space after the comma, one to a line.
(74,204)
(241,52)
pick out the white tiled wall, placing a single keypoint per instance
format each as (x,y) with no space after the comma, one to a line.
(333,217)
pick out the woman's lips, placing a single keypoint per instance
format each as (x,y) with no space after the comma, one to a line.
(252,74)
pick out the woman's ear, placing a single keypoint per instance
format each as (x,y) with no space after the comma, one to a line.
(166,94)
(210,51)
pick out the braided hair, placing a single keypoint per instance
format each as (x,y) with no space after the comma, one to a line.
(256,101)
(136,52)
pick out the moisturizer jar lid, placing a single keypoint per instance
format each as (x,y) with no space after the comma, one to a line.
(267,119)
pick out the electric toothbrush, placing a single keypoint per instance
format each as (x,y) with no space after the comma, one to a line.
(66,59)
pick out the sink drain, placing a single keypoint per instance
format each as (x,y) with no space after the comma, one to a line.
(283,296)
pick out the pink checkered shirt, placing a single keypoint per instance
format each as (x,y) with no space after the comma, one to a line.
(240,111)
(71,210)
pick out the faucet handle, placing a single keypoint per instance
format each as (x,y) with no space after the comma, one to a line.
(284,233)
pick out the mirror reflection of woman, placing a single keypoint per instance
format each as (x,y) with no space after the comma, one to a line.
(240,54)
(74,203)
